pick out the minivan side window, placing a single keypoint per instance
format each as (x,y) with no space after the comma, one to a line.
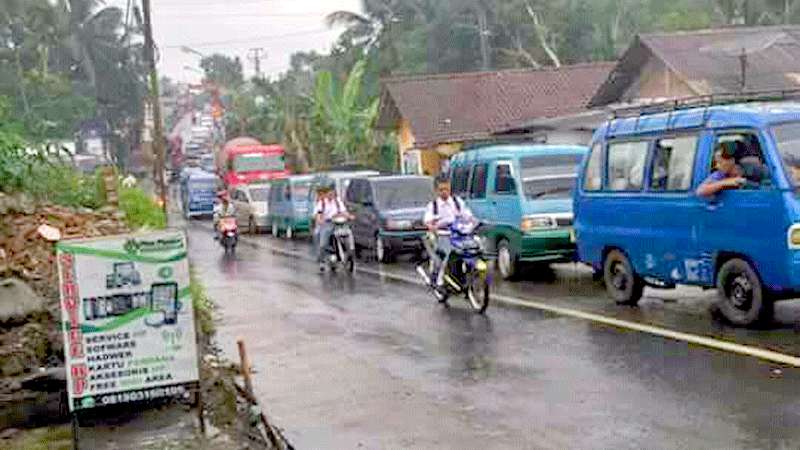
(503,180)
(673,163)
(459,180)
(478,185)
(749,158)
(352,191)
(593,179)
(366,194)
(626,162)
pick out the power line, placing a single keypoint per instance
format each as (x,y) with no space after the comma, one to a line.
(251,39)
(183,15)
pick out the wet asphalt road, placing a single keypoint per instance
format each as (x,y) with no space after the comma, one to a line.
(365,363)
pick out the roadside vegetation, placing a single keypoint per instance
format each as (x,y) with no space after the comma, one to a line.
(45,176)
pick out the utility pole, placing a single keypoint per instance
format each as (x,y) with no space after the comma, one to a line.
(254,54)
(483,28)
(158,132)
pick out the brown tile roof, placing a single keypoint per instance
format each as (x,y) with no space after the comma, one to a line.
(709,61)
(473,106)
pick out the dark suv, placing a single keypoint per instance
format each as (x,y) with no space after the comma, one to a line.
(389,212)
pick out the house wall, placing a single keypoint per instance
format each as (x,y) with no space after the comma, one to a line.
(430,158)
(656,80)
(405,138)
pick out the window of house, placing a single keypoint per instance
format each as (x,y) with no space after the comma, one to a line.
(626,162)
(478,184)
(673,163)
(593,180)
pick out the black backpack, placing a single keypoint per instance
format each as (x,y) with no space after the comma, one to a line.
(456,200)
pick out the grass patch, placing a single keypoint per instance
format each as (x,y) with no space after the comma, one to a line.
(49,438)
(141,211)
(204,307)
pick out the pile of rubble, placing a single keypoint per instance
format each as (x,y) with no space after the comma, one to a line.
(29,304)
(28,254)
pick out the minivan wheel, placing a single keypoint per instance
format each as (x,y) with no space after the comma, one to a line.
(507,263)
(742,300)
(622,283)
(251,226)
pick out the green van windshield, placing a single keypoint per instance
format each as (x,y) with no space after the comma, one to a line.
(549,176)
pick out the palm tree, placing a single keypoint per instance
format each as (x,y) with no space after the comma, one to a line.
(93,34)
(375,28)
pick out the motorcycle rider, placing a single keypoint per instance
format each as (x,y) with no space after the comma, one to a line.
(440,214)
(328,206)
(223,208)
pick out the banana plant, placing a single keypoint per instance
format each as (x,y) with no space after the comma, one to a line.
(345,120)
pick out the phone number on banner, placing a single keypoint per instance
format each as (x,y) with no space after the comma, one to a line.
(140,395)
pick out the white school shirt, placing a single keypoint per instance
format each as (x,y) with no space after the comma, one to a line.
(447,211)
(328,208)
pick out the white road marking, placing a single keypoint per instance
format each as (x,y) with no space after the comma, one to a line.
(708,342)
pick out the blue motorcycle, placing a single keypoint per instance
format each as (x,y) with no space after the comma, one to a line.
(466,270)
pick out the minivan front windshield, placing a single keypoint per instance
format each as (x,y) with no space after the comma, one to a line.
(403,193)
(546,177)
(787,138)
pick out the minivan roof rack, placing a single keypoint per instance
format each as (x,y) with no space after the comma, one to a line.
(703,101)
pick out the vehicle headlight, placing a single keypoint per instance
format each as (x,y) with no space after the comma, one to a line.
(793,237)
(399,224)
(537,223)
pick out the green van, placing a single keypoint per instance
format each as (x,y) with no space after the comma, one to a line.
(523,195)
(288,208)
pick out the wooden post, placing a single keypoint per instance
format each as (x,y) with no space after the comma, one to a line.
(201,418)
(75,431)
(245,367)
(110,182)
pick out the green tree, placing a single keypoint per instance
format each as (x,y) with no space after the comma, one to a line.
(223,70)
(62,62)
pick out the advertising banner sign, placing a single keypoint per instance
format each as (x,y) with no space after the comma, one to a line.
(127,318)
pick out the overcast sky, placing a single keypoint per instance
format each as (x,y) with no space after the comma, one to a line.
(232,27)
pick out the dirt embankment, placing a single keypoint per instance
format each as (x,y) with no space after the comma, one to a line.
(30,340)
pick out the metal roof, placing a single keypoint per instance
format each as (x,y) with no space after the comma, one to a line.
(473,106)
(710,61)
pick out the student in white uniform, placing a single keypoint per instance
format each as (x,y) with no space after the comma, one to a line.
(328,206)
(440,214)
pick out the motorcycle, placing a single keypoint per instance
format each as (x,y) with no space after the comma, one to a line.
(466,270)
(340,249)
(228,234)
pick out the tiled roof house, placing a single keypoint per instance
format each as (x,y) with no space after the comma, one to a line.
(436,115)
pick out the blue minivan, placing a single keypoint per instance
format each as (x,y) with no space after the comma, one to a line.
(523,195)
(198,193)
(639,220)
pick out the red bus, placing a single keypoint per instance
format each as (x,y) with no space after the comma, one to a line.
(246,164)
